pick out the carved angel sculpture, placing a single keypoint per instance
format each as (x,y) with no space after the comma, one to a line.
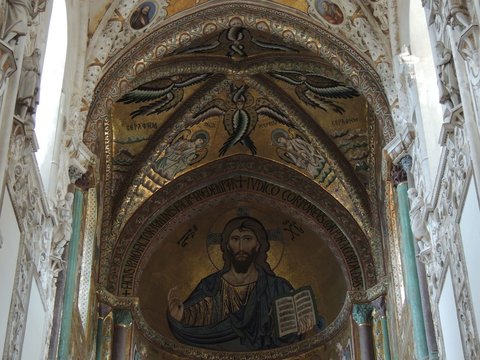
(417,209)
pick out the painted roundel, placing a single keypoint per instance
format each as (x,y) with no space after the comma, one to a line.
(329,11)
(143,15)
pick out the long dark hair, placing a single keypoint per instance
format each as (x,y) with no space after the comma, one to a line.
(252,224)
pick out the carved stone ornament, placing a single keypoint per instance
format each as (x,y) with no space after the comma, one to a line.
(448,85)
(36,225)
(7,65)
(16,17)
(28,88)
(362,313)
(442,249)
(435,211)
(469,48)
(62,233)
(400,145)
(417,217)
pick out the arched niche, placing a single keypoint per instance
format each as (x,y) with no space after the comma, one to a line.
(170,242)
(160,46)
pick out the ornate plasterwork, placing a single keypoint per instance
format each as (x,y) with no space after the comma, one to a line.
(435,218)
(442,249)
(36,223)
(18,309)
(440,246)
(367,32)
(469,48)
(35,219)
(45,231)
(7,65)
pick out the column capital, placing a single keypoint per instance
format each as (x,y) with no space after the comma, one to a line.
(406,163)
(399,175)
(122,317)
(362,313)
(103,310)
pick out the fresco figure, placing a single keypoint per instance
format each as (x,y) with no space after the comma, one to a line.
(296,150)
(181,153)
(232,308)
(330,12)
(142,15)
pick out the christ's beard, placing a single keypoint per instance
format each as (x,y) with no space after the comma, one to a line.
(241,264)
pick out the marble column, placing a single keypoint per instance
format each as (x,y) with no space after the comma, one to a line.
(409,262)
(121,330)
(103,311)
(421,272)
(362,314)
(71,277)
(380,307)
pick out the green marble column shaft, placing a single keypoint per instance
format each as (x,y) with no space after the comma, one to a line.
(381,309)
(122,322)
(71,277)
(99,339)
(410,271)
(386,341)
(103,311)
(362,315)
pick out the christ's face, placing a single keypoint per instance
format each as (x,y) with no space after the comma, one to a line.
(242,246)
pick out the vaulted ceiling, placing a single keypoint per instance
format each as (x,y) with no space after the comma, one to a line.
(206,105)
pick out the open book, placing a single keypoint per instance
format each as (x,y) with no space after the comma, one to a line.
(290,310)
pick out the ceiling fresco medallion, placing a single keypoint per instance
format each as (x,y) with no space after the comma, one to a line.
(143,15)
(329,11)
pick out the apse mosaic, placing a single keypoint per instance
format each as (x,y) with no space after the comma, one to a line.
(241,279)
